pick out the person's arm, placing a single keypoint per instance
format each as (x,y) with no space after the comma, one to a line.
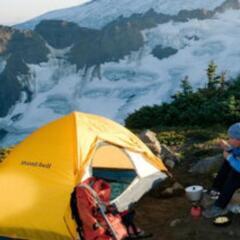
(234,162)
(225,145)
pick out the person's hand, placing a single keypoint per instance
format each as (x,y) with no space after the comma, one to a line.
(224,144)
(226,154)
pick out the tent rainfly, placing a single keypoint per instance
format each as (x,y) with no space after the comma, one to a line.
(39,175)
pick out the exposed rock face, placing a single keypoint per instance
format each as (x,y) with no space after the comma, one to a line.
(18,49)
(5,36)
(111,44)
(10,90)
(92,47)
(62,34)
(117,39)
(29,46)
(161,52)
(234,4)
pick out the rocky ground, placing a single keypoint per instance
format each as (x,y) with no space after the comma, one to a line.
(165,212)
(170,219)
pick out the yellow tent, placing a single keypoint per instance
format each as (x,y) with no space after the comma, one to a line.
(38,177)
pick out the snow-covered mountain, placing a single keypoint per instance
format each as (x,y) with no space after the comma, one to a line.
(98,13)
(110,57)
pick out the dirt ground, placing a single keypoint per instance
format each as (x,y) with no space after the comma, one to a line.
(155,215)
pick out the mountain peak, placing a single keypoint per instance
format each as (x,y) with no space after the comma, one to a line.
(96,14)
(111,58)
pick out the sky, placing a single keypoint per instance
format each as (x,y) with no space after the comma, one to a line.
(16,11)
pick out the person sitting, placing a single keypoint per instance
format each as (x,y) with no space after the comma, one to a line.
(227,180)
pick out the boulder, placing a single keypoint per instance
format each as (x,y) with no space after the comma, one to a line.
(148,136)
(207,165)
(168,156)
(162,151)
(174,191)
(169,163)
(168,189)
(150,139)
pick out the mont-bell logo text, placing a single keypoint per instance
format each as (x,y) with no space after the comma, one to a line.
(36,164)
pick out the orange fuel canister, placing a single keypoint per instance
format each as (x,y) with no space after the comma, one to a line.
(196,211)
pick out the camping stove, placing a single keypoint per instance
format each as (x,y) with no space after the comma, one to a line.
(194,194)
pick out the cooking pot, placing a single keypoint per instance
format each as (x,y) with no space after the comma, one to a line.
(194,193)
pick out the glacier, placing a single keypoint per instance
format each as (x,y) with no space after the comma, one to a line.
(139,79)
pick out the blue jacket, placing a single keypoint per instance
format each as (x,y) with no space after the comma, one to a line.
(234,158)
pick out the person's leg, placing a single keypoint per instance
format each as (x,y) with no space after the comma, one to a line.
(231,185)
(221,177)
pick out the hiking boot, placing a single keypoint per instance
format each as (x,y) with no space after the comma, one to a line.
(214,211)
(213,194)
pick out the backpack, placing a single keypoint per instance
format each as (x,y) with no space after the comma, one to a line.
(99,220)
(75,215)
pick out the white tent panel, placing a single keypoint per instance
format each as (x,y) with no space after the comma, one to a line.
(143,167)
(136,190)
(148,175)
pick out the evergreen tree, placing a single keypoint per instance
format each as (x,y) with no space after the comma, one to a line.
(217,104)
(186,86)
(222,80)
(212,77)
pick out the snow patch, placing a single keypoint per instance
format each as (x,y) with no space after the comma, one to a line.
(138,79)
(97,14)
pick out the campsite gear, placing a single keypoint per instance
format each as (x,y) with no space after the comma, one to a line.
(196,211)
(39,175)
(214,211)
(194,193)
(75,215)
(98,221)
(222,221)
(213,194)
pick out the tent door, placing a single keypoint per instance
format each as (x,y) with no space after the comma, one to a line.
(129,174)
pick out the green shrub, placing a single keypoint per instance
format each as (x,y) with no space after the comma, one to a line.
(217,103)
(171,138)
